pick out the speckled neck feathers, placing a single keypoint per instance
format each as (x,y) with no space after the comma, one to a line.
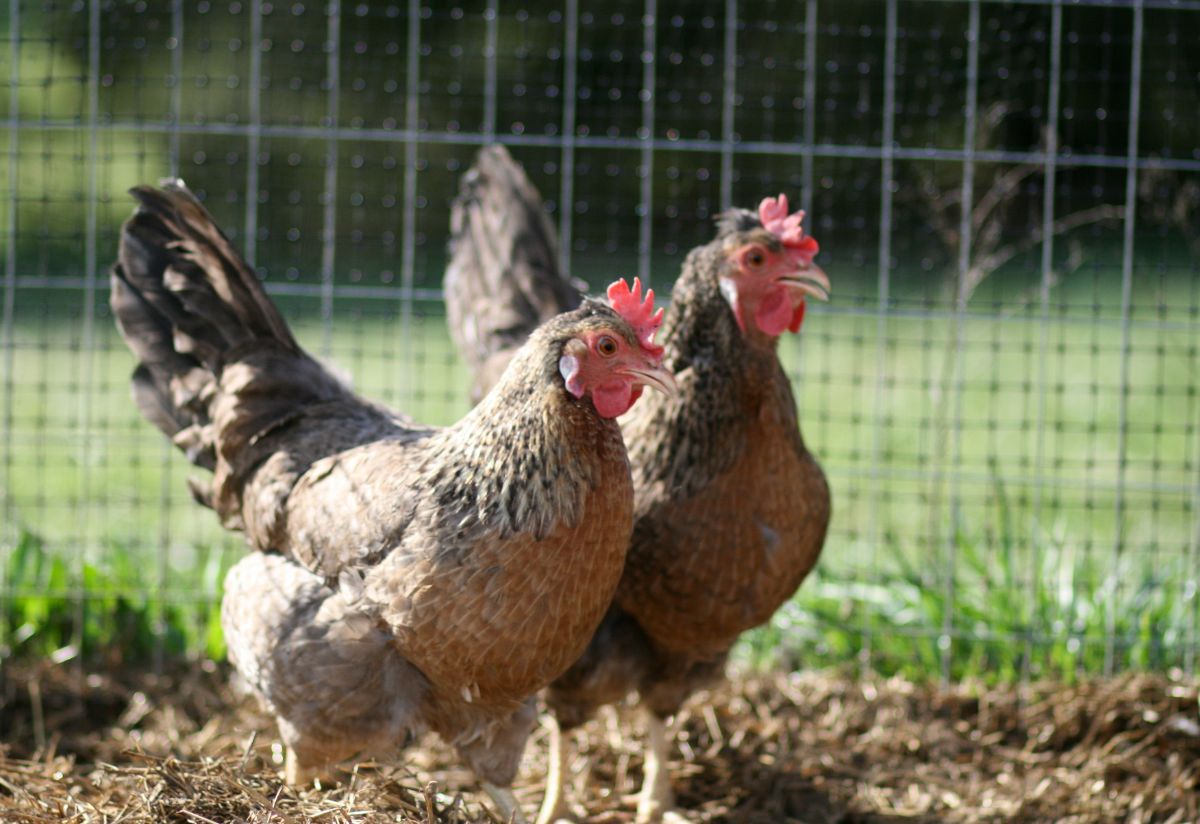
(524,459)
(680,444)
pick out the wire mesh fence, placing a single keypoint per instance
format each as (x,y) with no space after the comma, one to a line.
(1003,391)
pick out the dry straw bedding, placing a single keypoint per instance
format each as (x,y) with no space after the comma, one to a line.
(816,747)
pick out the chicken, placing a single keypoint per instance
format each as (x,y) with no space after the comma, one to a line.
(730,508)
(406,578)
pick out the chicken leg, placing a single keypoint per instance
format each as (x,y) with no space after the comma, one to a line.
(656,797)
(553,803)
(506,803)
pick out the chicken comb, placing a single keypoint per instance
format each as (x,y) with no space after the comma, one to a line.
(773,212)
(637,313)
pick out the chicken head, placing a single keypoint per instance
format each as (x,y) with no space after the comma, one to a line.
(612,366)
(769,271)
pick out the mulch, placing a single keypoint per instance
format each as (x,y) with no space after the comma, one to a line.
(131,746)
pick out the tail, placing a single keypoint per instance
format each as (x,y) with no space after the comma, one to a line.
(218,367)
(503,280)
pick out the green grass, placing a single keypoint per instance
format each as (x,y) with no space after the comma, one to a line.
(998,623)
(1000,561)
(121,616)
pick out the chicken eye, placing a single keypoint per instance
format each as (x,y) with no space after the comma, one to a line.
(606,346)
(755,258)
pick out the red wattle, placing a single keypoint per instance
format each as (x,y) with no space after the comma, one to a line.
(774,313)
(797,316)
(614,399)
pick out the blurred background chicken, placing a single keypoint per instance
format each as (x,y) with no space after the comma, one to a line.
(730,508)
(407,577)
(503,278)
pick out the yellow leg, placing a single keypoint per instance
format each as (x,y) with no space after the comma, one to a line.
(506,803)
(656,797)
(556,775)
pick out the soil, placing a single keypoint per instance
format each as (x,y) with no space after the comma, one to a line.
(132,746)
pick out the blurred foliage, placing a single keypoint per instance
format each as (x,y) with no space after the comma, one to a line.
(1041,602)
(1003,615)
(136,85)
(1006,623)
(112,609)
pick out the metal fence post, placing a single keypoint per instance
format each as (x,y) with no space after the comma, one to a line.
(412,91)
(1049,175)
(9,532)
(253,134)
(566,192)
(728,97)
(1131,170)
(646,135)
(329,229)
(887,182)
(967,199)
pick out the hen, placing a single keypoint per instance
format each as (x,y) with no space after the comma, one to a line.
(407,577)
(730,508)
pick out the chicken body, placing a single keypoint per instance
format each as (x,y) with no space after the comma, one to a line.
(730,510)
(406,577)
(425,583)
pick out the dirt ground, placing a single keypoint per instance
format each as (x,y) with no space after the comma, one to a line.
(818,747)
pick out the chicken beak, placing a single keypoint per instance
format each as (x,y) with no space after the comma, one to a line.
(658,377)
(811,281)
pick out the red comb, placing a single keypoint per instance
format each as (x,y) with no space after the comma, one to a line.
(638,313)
(773,212)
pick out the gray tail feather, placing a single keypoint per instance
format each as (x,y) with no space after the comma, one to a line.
(189,306)
(503,280)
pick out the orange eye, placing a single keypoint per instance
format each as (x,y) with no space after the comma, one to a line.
(755,258)
(606,346)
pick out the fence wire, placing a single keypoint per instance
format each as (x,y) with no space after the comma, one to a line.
(1003,391)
